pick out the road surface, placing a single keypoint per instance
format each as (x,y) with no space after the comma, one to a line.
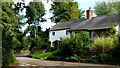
(25,61)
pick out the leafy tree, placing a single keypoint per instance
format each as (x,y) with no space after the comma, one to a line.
(66,11)
(18,8)
(105,8)
(9,26)
(34,13)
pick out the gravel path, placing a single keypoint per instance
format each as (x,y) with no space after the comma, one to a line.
(25,61)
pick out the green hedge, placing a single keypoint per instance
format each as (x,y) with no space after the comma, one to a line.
(8,57)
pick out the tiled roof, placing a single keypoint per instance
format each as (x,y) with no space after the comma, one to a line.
(95,23)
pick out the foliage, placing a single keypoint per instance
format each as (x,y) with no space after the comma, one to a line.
(25,43)
(105,8)
(71,49)
(104,50)
(115,54)
(102,59)
(75,44)
(74,58)
(66,11)
(110,32)
(10,32)
(37,43)
(56,58)
(8,57)
(56,45)
(111,57)
(102,45)
(19,7)
(34,12)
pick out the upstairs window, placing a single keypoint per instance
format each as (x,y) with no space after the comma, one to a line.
(53,33)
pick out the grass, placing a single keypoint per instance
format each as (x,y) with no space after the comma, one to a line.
(39,55)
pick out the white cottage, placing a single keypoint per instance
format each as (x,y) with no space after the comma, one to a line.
(93,25)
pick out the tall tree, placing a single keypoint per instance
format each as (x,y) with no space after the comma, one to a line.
(34,13)
(10,22)
(105,8)
(66,11)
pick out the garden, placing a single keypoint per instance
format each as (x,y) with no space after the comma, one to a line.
(81,48)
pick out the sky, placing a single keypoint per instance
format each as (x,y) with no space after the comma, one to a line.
(84,4)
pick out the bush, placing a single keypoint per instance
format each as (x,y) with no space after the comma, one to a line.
(102,45)
(115,54)
(74,58)
(8,57)
(76,44)
(37,43)
(103,58)
(106,50)
(112,31)
(56,58)
(55,45)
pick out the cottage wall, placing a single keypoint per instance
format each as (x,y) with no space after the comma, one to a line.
(57,35)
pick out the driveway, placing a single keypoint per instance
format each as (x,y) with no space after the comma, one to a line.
(25,61)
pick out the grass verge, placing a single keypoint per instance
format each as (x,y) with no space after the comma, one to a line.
(38,55)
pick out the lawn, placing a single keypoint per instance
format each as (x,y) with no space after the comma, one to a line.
(39,55)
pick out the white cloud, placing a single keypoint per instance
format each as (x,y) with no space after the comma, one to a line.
(48,23)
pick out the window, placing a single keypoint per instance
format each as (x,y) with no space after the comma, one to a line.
(53,33)
(66,32)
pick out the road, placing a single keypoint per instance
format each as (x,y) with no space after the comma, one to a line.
(25,61)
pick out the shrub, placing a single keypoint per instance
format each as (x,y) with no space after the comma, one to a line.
(8,57)
(103,58)
(105,50)
(75,44)
(56,45)
(115,54)
(74,58)
(103,45)
(37,43)
(112,31)
(56,58)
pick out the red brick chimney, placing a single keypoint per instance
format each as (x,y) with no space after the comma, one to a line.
(89,13)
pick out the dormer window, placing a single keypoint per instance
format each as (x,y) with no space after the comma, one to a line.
(53,33)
